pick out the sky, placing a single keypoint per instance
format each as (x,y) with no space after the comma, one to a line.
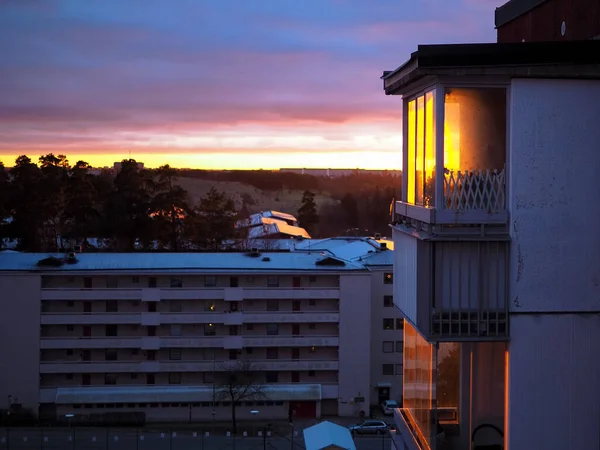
(216,84)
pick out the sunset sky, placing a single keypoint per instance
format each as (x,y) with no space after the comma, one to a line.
(216,83)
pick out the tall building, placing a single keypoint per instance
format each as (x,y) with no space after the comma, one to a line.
(497,250)
(548,20)
(152,334)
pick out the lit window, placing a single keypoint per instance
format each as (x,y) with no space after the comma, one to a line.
(388,278)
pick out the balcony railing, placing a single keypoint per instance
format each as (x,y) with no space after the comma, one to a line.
(469,197)
(179,366)
(476,190)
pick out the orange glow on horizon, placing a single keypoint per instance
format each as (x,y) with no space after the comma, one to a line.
(226,160)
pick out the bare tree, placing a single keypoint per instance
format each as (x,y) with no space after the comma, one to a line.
(237,383)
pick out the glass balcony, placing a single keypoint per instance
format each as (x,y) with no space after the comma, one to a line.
(455,156)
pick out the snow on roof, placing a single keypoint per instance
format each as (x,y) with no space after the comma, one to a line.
(276,227)
(162,394)
(348,248)
(327,434)
(279,215)
(180,262)
(385,258)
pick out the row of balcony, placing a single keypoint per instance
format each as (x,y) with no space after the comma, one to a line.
(155,319)
(170,366)
(156,342)
(198,293)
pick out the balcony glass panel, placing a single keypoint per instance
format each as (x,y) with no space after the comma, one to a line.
(474,149)
(430,378)
(420,159)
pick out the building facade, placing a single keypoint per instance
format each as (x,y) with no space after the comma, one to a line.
(548,20)
(153,334)
(496,246)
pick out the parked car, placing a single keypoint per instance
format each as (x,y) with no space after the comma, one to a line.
(369,427)
(389,406)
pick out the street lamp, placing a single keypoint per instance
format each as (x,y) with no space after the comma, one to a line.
(69,417)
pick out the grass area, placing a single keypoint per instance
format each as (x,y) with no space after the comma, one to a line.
(287,201)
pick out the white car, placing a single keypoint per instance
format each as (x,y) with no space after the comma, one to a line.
(369,427)
(389,406)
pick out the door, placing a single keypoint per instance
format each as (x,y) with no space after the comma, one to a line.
(384,394)
(295,353)
(304,410)
(296,282)
(296,305)
(87,307)
(86,355)
(86,379)
(295,329)
(87,331)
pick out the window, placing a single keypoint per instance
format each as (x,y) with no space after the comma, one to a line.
(312,302)
(311,373)
(234,282)
(150,378)
(233,354)
(150,355)
(233,306)
(175,354)
(272,377)
(111,330)
(272,304)
(233,330)
(86,379)
(420,155)
(388,324)
(70,304)
(399,369)
(272,353)
(399,346)
(135,279)
(112,306)
(388,278)
(110,354)
(388,301)
(175,330)
(174,306)
(152,282)
(387,369)
(296,305)
(69,352)
(272,329)
(70,328)
(249,326)
(312,279)
(295,353)
(399,324)
(69,376)
(151,307)
(151,330)
(210,281)
(87,282)
(388,346)
(112,282)
(210,306)
(249,350)
(208,377)
(272,281)
(176,282)
(174,378)
(312,349)
(295,377)
(110,379)
(209,329)
(296,282)
(312,326)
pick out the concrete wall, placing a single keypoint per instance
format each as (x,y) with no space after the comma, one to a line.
(553,382)
(20,339)
(378,336)
(555,281)
(355,343)
(553,189)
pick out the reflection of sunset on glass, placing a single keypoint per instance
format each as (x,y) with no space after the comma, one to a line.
(197,86)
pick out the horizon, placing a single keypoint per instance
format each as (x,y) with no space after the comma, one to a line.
(196,86)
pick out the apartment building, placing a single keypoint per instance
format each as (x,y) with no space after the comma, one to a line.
(153,333)
(497,246)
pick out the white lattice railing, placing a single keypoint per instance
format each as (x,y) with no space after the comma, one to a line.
(475,190)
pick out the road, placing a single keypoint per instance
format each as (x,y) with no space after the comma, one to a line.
(131,439)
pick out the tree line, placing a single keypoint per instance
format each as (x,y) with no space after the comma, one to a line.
(51,204)
(54,205)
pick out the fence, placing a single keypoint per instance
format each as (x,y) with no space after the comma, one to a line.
(76,438)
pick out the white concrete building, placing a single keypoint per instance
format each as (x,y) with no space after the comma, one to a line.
(105,333)
(497,249)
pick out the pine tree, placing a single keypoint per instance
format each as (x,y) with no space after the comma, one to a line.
(308,217)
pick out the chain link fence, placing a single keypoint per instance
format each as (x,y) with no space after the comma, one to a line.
(151,439)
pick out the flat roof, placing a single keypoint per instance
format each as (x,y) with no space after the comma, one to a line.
(568,59)
(513,9)
(228,262)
